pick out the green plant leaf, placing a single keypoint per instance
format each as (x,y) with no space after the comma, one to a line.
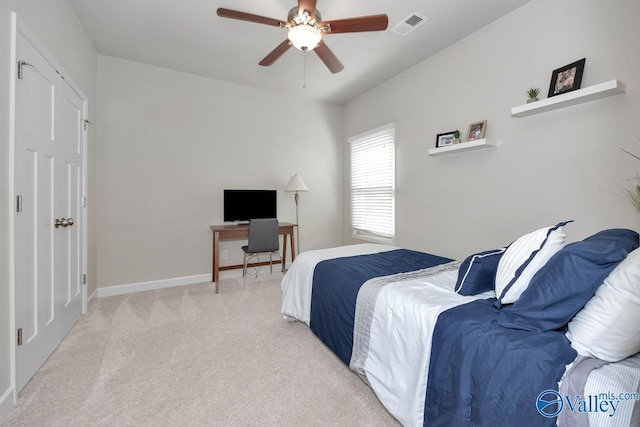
(629,153)
(533,92)
(633,193)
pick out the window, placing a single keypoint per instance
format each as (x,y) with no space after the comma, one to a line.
(373,184)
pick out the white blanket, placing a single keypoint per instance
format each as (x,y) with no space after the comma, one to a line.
(405,316)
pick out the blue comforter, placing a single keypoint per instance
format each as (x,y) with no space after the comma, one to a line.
(336,283)
(482,374)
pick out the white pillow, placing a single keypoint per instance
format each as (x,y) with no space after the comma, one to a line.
(608,327)
(523,258)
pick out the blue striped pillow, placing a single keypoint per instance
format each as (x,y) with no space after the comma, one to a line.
(524,258)
(478,272)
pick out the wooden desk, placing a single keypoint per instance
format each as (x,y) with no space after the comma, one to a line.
(240,232)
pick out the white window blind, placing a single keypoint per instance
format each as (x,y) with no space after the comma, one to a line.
(373,184)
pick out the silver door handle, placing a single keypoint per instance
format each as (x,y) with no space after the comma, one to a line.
(64,222)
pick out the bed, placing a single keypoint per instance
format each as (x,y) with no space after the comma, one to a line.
(489,340)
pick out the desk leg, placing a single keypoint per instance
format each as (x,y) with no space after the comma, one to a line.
(284,251)
(293,244)
(215,262)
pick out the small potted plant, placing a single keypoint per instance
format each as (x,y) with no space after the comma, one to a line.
(532,93)
(456,137)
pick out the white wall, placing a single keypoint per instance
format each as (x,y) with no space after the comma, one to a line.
(170,142)
(550,167)
(57,28)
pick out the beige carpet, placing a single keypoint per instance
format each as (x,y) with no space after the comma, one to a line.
(186,357)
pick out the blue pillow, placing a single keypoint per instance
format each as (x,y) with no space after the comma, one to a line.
(568,281)
(477,272)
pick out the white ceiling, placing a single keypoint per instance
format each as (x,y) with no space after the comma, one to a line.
(187,35)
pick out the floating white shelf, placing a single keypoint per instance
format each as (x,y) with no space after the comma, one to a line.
(463,146)
(602,90)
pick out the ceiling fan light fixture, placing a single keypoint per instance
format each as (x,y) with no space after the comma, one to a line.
(305,29)
(304,37)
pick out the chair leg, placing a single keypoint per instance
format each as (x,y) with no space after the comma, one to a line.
(270,263)
(244,266)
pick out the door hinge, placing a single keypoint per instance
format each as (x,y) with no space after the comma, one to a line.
(84,279)
(19,336)
(87,122)
(84,201)
(21,65)
(19,204)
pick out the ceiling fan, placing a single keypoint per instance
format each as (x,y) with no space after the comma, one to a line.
(306,28)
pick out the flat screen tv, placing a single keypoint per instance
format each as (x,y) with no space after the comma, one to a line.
(243,205)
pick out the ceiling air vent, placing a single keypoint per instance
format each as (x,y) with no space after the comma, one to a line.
(408,24)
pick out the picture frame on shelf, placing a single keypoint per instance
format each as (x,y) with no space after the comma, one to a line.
(566,79)
(444,139)
(476,130)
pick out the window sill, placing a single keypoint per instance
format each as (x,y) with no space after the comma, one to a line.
(371,237)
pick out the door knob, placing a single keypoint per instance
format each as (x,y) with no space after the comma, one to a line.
(63,222)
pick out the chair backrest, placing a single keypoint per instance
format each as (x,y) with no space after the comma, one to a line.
(263,235)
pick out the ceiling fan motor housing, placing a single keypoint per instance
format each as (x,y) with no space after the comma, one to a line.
(295,19)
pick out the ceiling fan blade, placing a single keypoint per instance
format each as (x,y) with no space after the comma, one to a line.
(354,25)
(330,60)
(276,53)
(243,16)
(309,6)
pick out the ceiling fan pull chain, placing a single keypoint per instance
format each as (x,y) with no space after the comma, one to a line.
(304,69)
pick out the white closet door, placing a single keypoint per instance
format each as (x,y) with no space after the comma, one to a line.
(48,180)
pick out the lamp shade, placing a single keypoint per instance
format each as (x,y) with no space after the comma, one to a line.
(304,37)
(295,184)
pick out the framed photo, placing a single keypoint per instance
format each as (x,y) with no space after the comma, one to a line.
(476,130)
(443,139)
(567,78)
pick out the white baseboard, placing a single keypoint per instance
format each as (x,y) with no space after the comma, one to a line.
(92,296)
(6,402)
(149,286)
(160,284)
